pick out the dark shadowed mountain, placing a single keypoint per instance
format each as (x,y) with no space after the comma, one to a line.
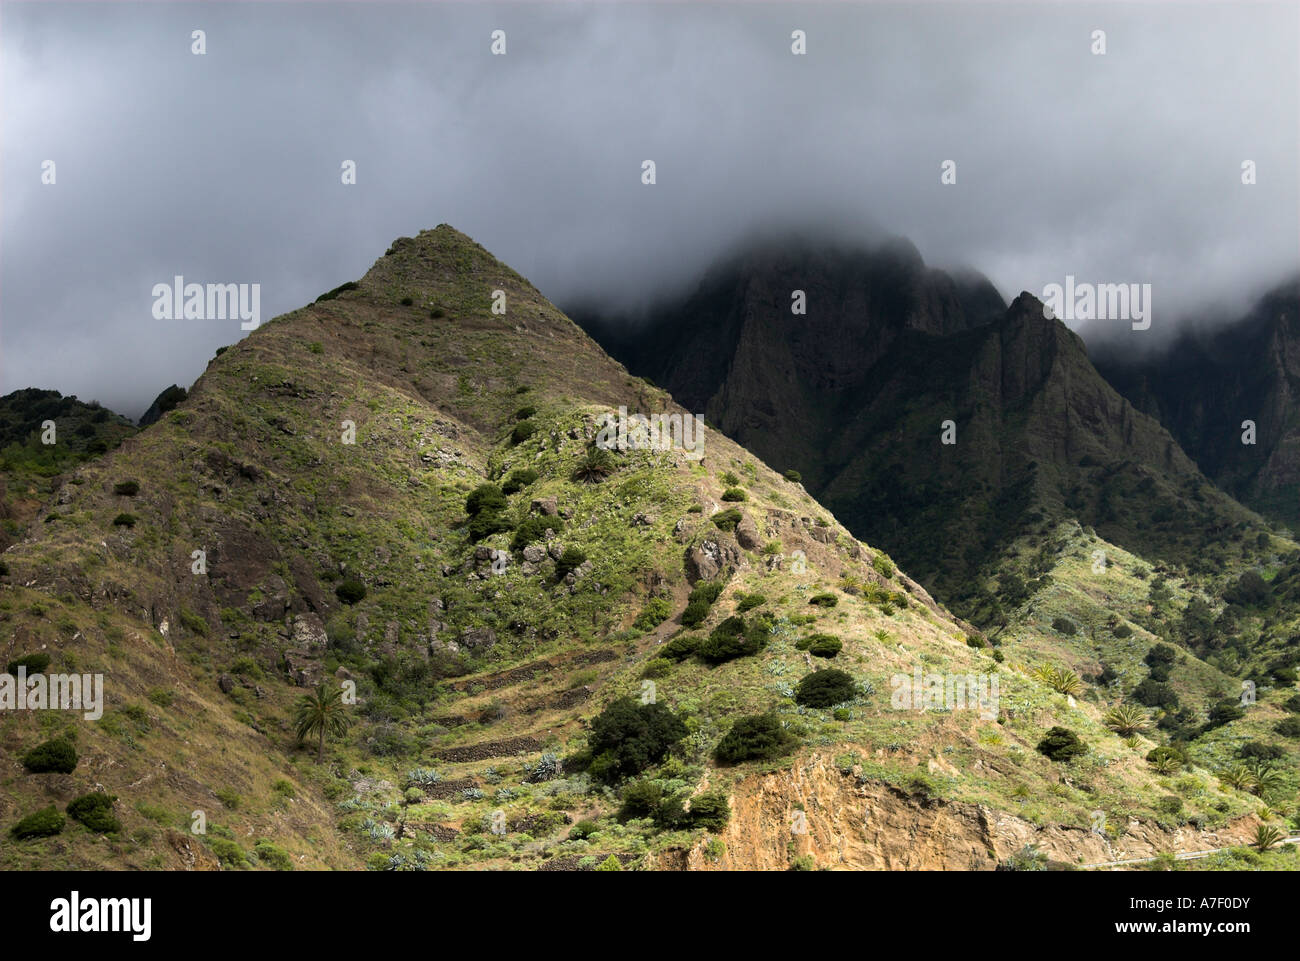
(1210,382)
(855,396)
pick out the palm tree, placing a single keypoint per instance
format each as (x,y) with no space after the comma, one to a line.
(595,466)
(1265,837)
(321,712)
(1126,720)
(1238,777)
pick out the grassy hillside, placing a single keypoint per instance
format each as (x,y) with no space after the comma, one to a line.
(359,494)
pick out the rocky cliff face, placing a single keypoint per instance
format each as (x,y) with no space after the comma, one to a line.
(1207,383)
(930,418)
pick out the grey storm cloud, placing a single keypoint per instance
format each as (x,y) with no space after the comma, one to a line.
(225,168)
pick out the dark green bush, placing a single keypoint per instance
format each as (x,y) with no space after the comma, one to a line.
(525,412)
(407,301)
(793,475)
(679,648)
(124,520)
(56,755)
(350,591)
(1061,744)
(35,663)
(710,811)
(95,811)
(1064,626)
(734,495)
(824,600)
(40,824)
(583,830)
(628,737)
(486,524)
(1154,693)
(518,480)
(731,639)
(523,430)
(533,529)
(824,645)
(126,488)
(727,520)
(747,602)
(486,498)
(757,737)
(570,560)
(330,295)
(1288,727)
(825,688)
(1292,703)
(641,799)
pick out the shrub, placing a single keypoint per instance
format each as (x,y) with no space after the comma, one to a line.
(679,648)
(1061,744)
(657,667)
(824,600)
(273,856)
(710,810)
(1161,654)
(654,613)
(882,566)
(729,478)
(734,494)
(757,737)
(610,863)
(727,520)
(485,498)
(1156,694)
(698,603)
(533,529)
(518,480)
(1225,712)
(747,602)
(523,430)
(1292,704)
(525,412)
(407,301)
(228,852)
(35,663)
(95,811)
(350,591)
(627,737)
(485,525)
(583,830)
(1064,626)
(641,799)
(825,688)
(126,488)
(824,645)
(40,824)
(731,639)
(1288,727)
(1166,758)
(56,755)
(330,295)
(1123,631)
(192,622)
(124,520)
(570,560)
(793,476)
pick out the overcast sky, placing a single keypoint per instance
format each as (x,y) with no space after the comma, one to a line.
(226,167)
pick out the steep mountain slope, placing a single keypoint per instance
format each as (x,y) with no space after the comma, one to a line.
(33,457)
(400,493)
(857,395)
(1207,383)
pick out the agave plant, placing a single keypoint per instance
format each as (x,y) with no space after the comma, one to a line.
(1265,837)
(1265,775)
(1238,777)
(1164,764)
(1126,720)
(1062,681)
(595,466)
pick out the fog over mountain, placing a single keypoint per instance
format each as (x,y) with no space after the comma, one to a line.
(225,167)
